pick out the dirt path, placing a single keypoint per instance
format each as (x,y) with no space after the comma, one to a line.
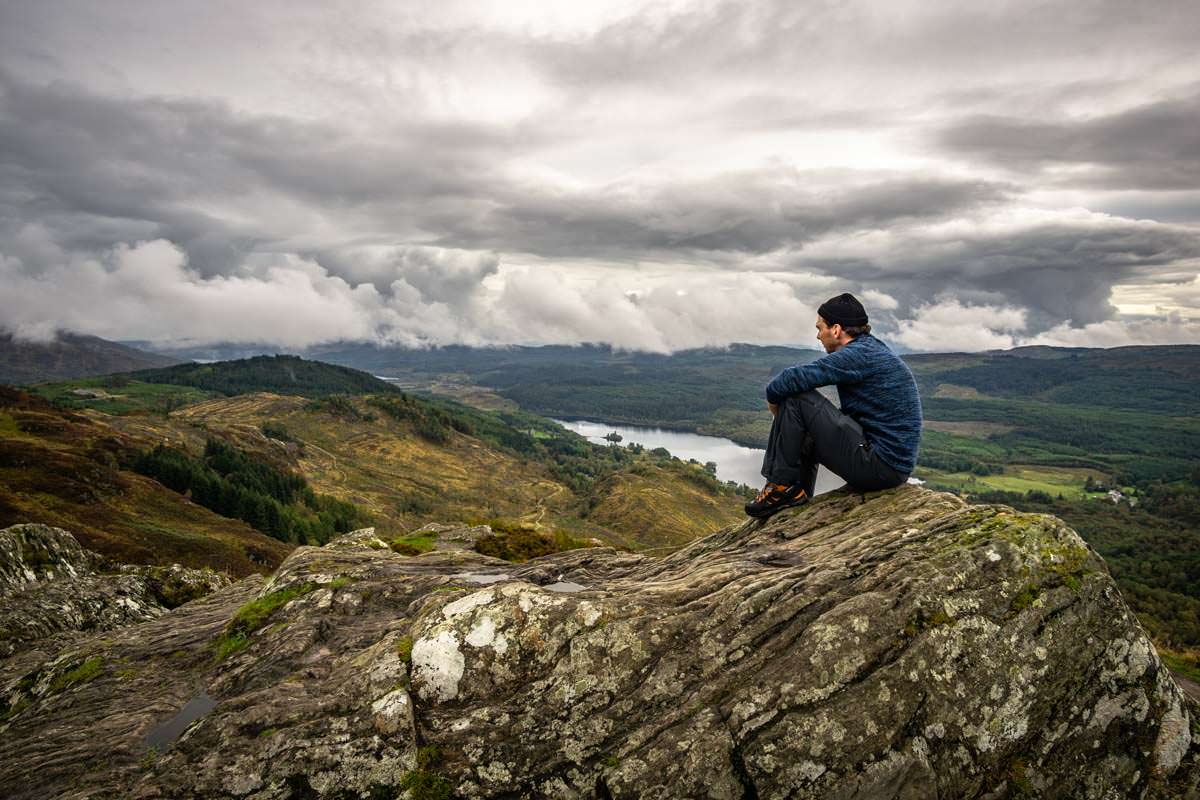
(541,504)
(1189,686)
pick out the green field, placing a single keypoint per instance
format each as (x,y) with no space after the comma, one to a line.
(113,394)
(1054,481)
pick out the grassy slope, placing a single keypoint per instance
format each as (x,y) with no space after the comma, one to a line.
(662,505)
(64,469)
(378,464)
(114,395)
(404,481)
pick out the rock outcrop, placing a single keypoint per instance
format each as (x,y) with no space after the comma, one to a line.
(51,585)
(898,645)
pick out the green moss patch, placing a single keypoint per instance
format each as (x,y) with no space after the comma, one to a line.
(82,673)
(404,647)
(1023,599)
(15,709)
(172,590)
(423,783)
(228,644)
(517,544)
(1049,561)
(253,616)
(414,545)
(924,619)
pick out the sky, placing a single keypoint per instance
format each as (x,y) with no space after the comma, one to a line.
(650,175)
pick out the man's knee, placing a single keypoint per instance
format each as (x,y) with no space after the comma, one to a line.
(810,398)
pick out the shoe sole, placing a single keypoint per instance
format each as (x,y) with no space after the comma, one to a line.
(776,509)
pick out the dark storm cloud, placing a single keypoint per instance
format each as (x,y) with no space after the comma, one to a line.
(152,167)
(963,49)
(1058,271)
(748,212)
(1154,146)
(99,170)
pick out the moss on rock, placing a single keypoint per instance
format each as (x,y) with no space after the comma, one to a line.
(254,615)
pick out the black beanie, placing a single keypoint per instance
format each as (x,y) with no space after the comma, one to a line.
(844,310)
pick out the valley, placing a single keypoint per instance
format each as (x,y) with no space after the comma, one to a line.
(400,461)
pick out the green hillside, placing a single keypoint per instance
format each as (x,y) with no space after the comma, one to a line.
(74,471)
(280,374)
(302,469)
(712,390)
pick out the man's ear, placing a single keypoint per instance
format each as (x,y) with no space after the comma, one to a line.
(835,330)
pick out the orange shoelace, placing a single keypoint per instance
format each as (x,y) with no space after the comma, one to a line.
(768,489)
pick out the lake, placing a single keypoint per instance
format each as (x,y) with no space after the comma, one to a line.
(734,462)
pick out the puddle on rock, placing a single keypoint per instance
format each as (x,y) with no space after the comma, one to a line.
(564,586)
(165,734)
(481,579)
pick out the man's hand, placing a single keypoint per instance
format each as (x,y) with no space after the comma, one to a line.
(774,408)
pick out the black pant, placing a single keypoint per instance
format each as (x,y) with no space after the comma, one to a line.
(809,430)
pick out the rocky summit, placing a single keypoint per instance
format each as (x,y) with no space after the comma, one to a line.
(894,645)
(51,585)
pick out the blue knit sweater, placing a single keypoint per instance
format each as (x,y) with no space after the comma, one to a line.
(877,390)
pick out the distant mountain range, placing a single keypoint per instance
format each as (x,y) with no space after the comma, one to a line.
(550,379)
(71,356)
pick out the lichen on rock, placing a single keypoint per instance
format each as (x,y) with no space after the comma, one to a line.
(898,644)
(50,585)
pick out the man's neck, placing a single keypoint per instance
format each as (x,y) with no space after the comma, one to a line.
(841,343)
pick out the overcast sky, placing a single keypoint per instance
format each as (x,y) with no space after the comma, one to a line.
(654,175)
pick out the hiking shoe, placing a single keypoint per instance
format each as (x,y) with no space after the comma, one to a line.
(776,497)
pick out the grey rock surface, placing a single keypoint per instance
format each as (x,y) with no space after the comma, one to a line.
(31,554)
(50,585)
(456,537)
(897,645)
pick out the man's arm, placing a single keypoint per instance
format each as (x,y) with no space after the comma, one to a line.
(841,366)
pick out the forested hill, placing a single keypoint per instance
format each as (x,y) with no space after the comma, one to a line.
(1159,378)
(69,356)
(289,375)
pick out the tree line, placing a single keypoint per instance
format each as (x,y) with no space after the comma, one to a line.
(235,484)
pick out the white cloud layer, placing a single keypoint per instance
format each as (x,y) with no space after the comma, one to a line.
(1118,333)
(436,297)
(146,291)
(950,326)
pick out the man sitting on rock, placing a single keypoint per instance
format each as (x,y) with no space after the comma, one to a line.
(871,442)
